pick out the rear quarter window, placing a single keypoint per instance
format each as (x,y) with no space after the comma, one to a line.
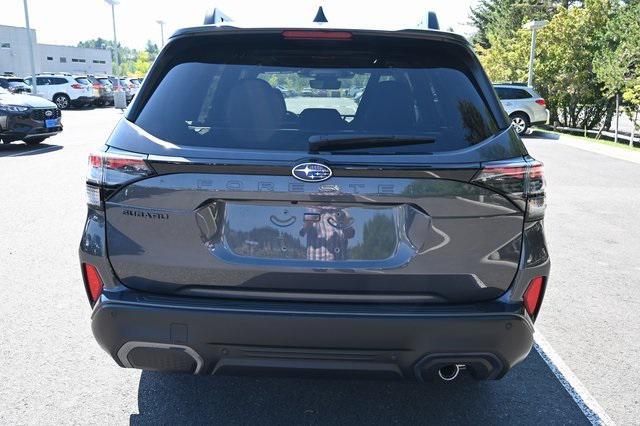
(277,98)
(512,94)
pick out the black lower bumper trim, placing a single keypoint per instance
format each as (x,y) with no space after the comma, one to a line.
(382,344)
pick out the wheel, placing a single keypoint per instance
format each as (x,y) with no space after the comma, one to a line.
(34,141)
(520,122)
(62,101)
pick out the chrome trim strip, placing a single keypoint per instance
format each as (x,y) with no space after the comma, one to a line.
(129,346)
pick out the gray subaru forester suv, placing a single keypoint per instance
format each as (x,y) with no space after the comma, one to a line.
(232,229)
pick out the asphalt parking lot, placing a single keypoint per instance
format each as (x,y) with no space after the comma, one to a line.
(53,372)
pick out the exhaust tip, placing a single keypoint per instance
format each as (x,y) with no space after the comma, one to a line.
(449,372)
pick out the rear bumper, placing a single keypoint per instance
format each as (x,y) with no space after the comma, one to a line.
(229,336)
(541,117)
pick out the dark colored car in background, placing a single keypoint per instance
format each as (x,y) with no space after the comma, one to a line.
(14,84)
(231,229)
(103,89)
(28,118)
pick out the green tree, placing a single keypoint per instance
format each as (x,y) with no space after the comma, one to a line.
(564,72)
(617,63)
(152,50)
(503,18)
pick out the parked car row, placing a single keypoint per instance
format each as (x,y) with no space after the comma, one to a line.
(74,90)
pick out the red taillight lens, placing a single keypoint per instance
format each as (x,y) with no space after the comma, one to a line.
(92,282)
(522,182)
(317,35)
(77,86)
(533,296)
(541,102)
(111,171)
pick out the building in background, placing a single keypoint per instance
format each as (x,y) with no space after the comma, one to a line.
(14,56)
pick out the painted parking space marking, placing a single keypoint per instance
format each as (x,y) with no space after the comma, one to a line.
(582,397)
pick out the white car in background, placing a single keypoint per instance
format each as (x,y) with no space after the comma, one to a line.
(524,106)
(65,90)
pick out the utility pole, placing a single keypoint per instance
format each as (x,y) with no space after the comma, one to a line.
(113,4)
(161,22)
(533,26)
(615,135)
(32,59)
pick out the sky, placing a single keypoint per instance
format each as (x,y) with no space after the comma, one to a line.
(70,21)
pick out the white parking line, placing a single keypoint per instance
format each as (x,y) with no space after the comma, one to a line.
(43,149)
(587,403)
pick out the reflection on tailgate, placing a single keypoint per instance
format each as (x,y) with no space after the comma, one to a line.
(326,233)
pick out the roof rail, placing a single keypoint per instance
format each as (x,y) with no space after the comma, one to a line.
(431,21)
(215,16)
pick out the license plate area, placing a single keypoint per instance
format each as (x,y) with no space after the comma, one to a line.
(308,232)
(51,122)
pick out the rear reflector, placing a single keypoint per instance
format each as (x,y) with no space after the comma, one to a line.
(533,295)
(317,35)
(541,102)
(93,282)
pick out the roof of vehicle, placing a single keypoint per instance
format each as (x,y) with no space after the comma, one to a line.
(226,28)
(61,74)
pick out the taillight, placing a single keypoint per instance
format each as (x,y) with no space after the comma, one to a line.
(92,282)
(109,171)
(97,86)
(317,35)
(77,86)
(541,102)
(522,182)
(532,296)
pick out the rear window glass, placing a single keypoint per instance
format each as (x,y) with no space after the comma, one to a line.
(279,99)
(17,83)
(83,80)
(510,93)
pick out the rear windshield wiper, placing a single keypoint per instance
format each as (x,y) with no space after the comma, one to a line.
(319,143)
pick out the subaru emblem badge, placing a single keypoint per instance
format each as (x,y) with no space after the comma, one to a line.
(311,172)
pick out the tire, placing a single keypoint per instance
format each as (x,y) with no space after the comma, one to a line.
(34,141)
(62,101)
(520,122)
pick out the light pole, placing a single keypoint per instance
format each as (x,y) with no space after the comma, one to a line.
(32,59)
(533,26)
(161,22)
(113,4)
